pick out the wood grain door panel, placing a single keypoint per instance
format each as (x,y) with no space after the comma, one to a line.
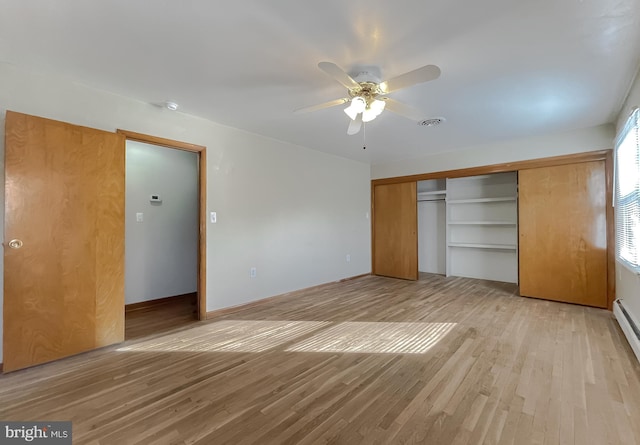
(64,289)
(395,229)
(563,233)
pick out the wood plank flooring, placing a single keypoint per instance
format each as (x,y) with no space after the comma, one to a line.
(163,315)
(369,361)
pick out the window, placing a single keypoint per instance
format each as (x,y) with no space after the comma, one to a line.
(627,199)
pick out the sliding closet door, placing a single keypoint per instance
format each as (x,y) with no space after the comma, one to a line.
(395,230)
(563,233)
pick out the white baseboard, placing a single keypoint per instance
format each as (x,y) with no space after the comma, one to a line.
(625,323)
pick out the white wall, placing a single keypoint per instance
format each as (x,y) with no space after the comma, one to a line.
(578,141)
(161,257)
(627,281)
(292,212)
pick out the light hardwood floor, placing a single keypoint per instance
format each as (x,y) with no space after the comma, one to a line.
(166,314)
(370,361)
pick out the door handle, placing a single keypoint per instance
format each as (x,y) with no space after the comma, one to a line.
(15,243)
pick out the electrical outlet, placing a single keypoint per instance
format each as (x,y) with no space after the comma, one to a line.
(253,272)
(348,258)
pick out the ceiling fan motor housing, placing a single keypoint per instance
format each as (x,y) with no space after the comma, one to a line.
(366,74)
(367,90)
(369,79)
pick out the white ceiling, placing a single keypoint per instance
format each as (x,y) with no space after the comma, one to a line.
(510,68)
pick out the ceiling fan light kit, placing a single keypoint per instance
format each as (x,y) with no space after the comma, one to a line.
(358,105)
(373,110)
(367,94)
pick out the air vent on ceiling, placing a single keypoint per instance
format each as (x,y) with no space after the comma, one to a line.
(431,122)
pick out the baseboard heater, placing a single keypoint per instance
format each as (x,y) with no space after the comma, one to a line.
(629,327)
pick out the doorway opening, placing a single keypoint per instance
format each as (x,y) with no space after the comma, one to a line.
(165,238)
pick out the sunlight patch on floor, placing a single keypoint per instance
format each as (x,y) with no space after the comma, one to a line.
(376,337)
(229,336)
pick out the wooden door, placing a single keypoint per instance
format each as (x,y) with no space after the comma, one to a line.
(64,288)
(563,233)
(395,228)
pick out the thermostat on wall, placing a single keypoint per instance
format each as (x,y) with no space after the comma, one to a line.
(155,198)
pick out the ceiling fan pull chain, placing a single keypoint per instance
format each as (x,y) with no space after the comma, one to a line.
(364,136)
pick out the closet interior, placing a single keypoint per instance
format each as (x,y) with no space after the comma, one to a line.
(468,226)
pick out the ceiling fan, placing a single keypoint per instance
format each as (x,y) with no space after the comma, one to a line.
(367,94)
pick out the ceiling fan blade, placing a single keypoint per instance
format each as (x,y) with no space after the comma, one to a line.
(402,109)
(338,74)
(331,103)
(419,75)
(355,125)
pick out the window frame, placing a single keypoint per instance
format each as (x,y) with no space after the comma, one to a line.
(622,203)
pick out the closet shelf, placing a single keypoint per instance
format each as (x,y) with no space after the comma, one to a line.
(485,246)
(469,201)
(433,192)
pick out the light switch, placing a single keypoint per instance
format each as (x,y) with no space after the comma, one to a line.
(139,217)
(214,217)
